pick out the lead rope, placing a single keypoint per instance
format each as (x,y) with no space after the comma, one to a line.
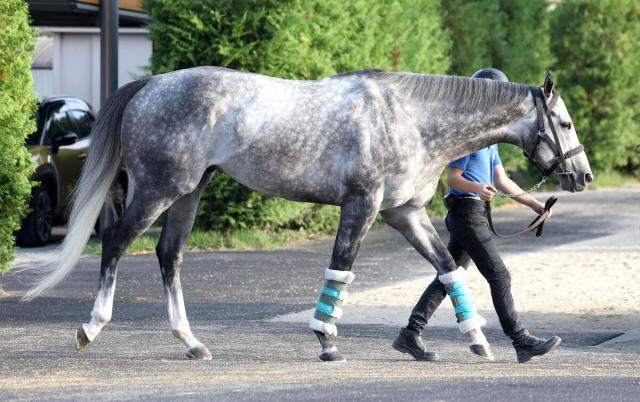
(532,189)
(538,223)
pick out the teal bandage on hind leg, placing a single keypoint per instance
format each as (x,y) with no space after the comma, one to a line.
(466,313)
(333,296)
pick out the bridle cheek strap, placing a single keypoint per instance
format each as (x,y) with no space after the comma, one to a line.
(543,109)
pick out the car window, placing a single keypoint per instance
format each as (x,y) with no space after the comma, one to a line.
(82,122)
(34,138)
(60,125)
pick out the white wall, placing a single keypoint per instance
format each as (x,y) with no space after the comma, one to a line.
(76,61)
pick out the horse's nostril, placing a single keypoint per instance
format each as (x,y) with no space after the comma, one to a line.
(588,178)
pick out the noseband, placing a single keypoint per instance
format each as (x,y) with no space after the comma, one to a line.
(561,158)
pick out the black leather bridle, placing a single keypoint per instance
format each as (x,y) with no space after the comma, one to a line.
(561,158)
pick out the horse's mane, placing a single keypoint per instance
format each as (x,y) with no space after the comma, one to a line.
(465,93)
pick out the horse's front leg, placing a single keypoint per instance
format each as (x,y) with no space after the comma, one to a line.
(416,227)
(356,216)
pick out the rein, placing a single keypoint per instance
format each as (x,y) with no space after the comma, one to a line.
(542,109)
(537,223)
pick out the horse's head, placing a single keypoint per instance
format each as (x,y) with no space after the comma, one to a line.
(553,145)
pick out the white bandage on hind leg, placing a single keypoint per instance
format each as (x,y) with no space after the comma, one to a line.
(333,296)
(469,321)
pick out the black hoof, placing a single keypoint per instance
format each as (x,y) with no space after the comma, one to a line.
(334,356)
(199,353)
(81,339)
(329,351)
(483,351)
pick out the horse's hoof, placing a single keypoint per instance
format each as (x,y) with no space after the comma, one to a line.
(483,351)
(332,356)
(199,353)
(81,339)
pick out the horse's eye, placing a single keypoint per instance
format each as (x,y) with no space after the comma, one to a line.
(566,124)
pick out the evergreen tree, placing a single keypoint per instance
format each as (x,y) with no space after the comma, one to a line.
(510,35)
(596,46)
(291,39)
(17,105)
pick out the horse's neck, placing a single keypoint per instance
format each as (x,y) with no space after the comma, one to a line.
(469,133)
(459,131)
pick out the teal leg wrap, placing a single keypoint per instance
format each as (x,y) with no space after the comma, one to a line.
(330,302)
(466,313)
(462,304)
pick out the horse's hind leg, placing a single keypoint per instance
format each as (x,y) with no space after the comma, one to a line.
(176,228)
(140,214)
(416,227)
(356,216)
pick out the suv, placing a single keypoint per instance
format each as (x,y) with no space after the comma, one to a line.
(59,148)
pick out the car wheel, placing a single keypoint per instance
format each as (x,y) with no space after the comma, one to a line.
(113,208)
(36,226)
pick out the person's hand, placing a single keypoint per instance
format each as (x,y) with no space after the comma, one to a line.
(538,208)
(487,192)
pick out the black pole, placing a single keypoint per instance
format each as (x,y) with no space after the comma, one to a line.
(108,48)
(108,76)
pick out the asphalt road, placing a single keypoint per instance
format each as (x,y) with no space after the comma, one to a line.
(231,298)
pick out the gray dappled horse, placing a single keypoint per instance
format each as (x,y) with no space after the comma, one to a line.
(368,141)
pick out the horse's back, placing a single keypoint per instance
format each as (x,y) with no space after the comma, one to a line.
(303,140)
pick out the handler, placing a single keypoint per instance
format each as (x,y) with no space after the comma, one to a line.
(470,182)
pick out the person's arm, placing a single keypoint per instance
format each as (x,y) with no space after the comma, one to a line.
(457,181)
(508,186)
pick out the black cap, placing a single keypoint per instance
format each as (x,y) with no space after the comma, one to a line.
(490,74)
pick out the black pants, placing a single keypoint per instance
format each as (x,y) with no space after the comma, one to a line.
(472,239)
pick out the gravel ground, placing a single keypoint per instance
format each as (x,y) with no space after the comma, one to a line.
(238,308)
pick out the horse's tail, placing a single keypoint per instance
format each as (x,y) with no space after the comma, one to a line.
(98,173)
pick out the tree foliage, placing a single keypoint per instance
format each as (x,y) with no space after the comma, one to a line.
(594,42)
(597,49)
(17,105)
(291,39)
(511,35)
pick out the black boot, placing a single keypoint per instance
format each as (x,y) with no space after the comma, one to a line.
(528,346)
(409,341)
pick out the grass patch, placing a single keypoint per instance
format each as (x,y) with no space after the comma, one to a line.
(613,179)
(199,240)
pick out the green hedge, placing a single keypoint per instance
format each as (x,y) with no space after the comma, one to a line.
(291,39)
(17,103)
(597,46)
(511,35)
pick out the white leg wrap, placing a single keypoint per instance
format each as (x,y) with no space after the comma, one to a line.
(472,323)
(459,274)
(340,276)
(323,327)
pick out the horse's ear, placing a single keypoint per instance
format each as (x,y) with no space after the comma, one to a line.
(548,84)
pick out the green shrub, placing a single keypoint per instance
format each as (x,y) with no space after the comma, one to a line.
(511,35)
(17,103)
(291,39)
(477,29)
(597,50)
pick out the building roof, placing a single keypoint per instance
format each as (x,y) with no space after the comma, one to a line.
(84,13)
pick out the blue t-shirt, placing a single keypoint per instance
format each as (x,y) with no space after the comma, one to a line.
(478,168)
